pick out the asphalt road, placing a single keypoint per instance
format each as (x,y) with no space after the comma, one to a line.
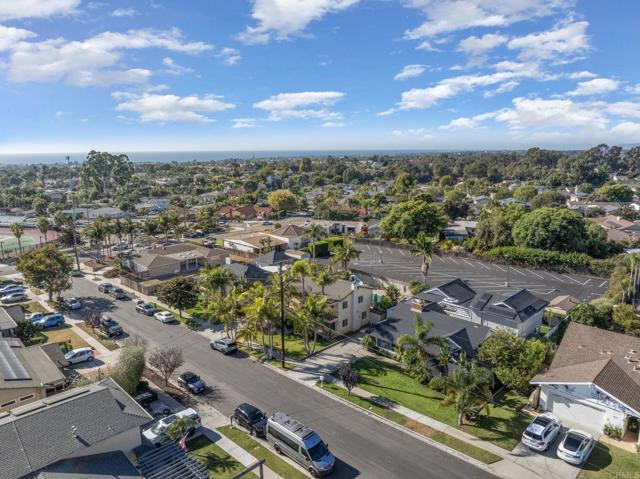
(396,264)
(364,447)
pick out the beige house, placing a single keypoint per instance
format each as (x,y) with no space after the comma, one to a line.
(27,374)
(563,304)
(292,234)
(254,243)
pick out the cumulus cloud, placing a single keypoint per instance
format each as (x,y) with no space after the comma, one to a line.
(302,105)
(581,75)
(172,68)
(124,12)
(561,44)
(244,123)
(93,61)
(10,37)
(414,133)
(410,71)
(282,19)
(627,129)
(596,86)
(154,108)
(17,9)
(479,45)
(333,124)
(229,56)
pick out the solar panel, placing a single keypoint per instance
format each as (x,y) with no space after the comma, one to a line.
(11,369)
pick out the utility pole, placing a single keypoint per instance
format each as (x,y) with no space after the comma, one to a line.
(281,314)
(73,217)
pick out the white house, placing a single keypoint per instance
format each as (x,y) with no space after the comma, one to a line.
(292,234)
(593,380)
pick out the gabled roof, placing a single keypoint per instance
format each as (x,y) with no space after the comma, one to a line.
(455,291)
(26,367)
(6,320)
(44,432)
(288,231)
(607,359)
(273,258)
(109,465)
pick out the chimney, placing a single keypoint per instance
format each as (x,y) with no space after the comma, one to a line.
(417,306)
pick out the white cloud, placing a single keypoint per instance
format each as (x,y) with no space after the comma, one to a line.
(627,129)
(230,56)
(302,105)
(124,12)
(10,37)
(503,88)
(479,45)
(445,16)
(281,19)
(170,108)
(173,68)
(93,61)
(333,124)
(633,89)
(410,71)
(562,43)
(17,9)
(581,75)
(415,133)
(244,123)
(595,87)
(463,122)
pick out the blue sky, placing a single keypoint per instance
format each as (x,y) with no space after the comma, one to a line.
(139,75)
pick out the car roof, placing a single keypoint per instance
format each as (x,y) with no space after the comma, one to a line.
(78,350)
(188,374)
(248,408)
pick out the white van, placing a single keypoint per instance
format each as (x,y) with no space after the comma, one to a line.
(155,434)
(300,443)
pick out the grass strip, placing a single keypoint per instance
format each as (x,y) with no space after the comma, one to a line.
(219,464)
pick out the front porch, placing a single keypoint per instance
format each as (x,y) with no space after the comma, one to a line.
(630,439)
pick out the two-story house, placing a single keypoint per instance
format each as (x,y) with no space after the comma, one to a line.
(292,234)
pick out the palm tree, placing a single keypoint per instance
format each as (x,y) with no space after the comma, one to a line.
(215,279)
(413,350)
(301,268)
(151,227)
(43,225)
(265,244)
(96,233)
(129,229)
(314,232)
(469,388)
(262,311)
(323,278)
(310,318)
(164,224)
(343,253)
(444,358)
(18,230)
(118,229)
(225,309)
(248,331)
(424,246)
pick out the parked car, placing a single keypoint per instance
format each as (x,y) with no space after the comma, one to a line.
(9,282)
(267,223)
(209,243)
(252,418)
(14,298)
(54,320)
(10,289)
(34,316)
(146,398)
(576,447)
(105,287)
(155,434)
(224,345)
(80,355)
(118,293)
(109,327)
(76,273)
(145,308)
(72,303)
(120,247)
(164,317)
(191,382)
(542,432)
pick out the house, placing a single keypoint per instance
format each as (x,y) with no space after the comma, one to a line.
(593,380)
(617,228)
(292,234)
(459,230)
(107,465)
(254,243)
(9,317)
(461,335)
(348,303)
(82,423)
(270,261)
(563,304)
(520,312)
(247,273)
(27,374)
(208,198)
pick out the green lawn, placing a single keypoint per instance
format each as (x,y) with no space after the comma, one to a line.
(33,307)
(107,342)
(438,436)
(63,335)
(503,426)
(293,345)
(609,462)
(220,464)
(253,447)
(198,311)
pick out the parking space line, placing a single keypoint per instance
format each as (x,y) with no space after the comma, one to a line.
(500,268)
(602,284)
(403,253)
(554,277)
(454,260)
(379,250)
(470,264)
(574,280)
(536,274)
(586,282)
(518,271)
(484,266)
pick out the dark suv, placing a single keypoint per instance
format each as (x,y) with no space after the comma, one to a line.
(145,308)
(105,287)
(110,327)
(118,293)
(252,418)
(191,382)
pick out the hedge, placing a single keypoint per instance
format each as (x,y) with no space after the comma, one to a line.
(556,260)
(324,246)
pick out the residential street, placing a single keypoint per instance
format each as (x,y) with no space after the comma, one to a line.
(364,446)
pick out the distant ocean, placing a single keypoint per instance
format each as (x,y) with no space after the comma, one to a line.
(186,156)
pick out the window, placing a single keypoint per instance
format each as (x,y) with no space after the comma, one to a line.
(26,398)
(345,304)
(364,315)
(7,404)
(282,439)
(360,299)
(345,323)
(332,326)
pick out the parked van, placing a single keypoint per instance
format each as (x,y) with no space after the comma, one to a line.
(300,443)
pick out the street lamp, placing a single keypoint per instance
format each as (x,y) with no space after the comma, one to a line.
(73,217)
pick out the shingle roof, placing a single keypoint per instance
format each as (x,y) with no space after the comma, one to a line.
(33,361)
(110,465)
(46,431)
(6,321)
(604,358)
(288,231)
(456,290)
(273,258)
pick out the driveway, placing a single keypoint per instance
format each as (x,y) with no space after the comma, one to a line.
(546,464)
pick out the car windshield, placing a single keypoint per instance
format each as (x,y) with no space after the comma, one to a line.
(574,442)
(533,435)
(257,416)
(160,427)
(318,451)
(192,379)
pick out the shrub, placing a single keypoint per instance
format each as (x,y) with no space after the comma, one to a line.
(191,324)
(128,370)
(614,432)
(112,273)
(416,287)
(368,342)
(324,246)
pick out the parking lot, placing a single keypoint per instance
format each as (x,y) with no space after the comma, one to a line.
(396,264)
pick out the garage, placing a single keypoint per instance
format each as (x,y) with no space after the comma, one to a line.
(574,413)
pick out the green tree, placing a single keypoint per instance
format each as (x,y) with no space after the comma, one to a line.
(179,428)
(615,192)
(625,319)
(215,280)
(26,330)
(18,230)
(282,201)
(455,204)
(403,184)
(342,253)
(305,164)
(515,359)
(525,192)
(179,293)
(43,225)
(495,226)
(405,220)
(301,268)
(323,278)
(310,318)
(424,247)
(101,170)
(349,376)
(40,205)
(46,268)
(589,315)
(551,199)
(313,233)
(128,370)
(413,351)
(551,229)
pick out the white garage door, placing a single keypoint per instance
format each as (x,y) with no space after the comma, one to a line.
(576,414)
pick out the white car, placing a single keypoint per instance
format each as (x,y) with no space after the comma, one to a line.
(155,434)
(34,316)
(73,303)
(576,447)
(13,298)
(79,355)
(164,317)
(542,432)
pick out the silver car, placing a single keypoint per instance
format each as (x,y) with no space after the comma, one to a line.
(542,432)
(576,447)
(224,345)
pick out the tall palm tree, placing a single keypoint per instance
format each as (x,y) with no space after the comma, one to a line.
(425,247)
(314,232)
(301,269)
(95,232)
(413,350)
(43,225)
(248,331)
(225,309)
(310,318)
(215,279)
(151,227)
(262,310)
(324,278)
(18,230)
(129,229)
(343,253)
(164,224)
(118,229)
